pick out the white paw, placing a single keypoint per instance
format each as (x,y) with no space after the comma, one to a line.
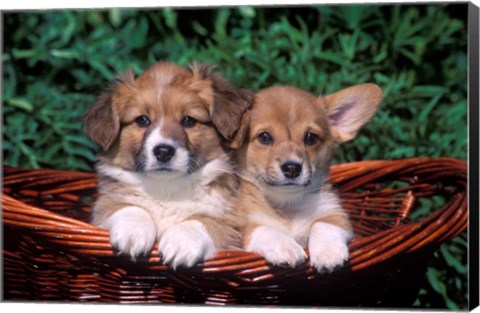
(276,246)
(132,231)
(185,244)
(328,246)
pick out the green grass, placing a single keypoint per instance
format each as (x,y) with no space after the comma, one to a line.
(56,62)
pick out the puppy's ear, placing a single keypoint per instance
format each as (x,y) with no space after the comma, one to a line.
(241,133)
(227,105)
(229,108)
(351,108)
(101,121)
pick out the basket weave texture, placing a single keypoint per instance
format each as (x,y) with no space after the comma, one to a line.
(52,253)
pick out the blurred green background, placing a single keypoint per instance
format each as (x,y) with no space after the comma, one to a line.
(56,62)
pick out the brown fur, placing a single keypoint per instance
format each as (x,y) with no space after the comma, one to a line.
(166,93)
(288,114)
(279,106)
(339,219)
(227,232)
(199,93)
(252,200)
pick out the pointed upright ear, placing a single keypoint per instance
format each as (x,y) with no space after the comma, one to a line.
(101,120)
(351,108)
(227,105)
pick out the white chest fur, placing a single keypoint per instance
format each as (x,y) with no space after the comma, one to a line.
(296,216)
(169,199)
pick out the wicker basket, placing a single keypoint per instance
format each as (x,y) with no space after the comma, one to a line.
(52,253)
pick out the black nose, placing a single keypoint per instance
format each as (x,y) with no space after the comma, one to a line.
(164,153)
(291,169)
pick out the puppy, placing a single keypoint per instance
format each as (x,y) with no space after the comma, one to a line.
(164,171)
(286,144)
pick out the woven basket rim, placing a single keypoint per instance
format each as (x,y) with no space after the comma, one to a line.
(86,239)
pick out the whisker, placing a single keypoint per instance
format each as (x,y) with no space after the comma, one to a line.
(193,165)
(140,165)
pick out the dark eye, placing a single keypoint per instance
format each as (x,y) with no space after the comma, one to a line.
(265,138)
(142,121)
(310,139)
(188,121)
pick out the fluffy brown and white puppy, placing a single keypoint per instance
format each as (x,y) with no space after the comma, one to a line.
(288,143)
(164,173)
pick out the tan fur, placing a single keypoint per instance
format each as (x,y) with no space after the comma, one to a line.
(166,93)
(227,231)
(225,238)
(251,200)
(287,114)
(339,219)
(185,95)
(274,109)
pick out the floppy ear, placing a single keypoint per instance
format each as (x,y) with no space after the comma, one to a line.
(241,133)
(351,108)
(227,104)
(101,121)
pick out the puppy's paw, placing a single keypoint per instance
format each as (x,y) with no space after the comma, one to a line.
(276,246)
(132,231)
(185,244)
(328,247)
(326,257)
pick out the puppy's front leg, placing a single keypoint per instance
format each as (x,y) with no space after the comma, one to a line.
(328,246)
(275,245)
(186,243)
(132,231)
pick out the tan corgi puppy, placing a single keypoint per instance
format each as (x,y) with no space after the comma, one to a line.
(285,147)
